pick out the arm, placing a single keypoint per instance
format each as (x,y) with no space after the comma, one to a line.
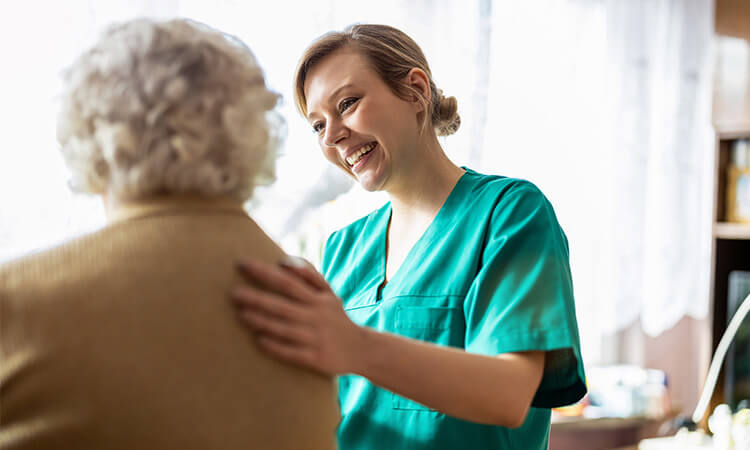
(484,389)
(304,323)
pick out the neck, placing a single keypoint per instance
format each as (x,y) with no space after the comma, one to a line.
(117,208)
(111,204)
(425,183)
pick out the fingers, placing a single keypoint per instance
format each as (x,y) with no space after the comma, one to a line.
(287,352)
(267,325)
(272,316)
(292,312)
(306,271)
(268,303)
(296,261)
(274,278)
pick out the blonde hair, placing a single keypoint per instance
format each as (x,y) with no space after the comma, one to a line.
(392,55)
(168,107)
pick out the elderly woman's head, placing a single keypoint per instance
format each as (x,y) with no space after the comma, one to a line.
(168,108)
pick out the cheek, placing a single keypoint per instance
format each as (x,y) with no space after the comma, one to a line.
(394,124)
(330,154)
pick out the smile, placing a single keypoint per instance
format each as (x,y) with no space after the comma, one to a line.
(359,154)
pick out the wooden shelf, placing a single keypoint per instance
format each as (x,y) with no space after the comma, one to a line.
(727,230)
(606,423)
(732,130)
(625,433)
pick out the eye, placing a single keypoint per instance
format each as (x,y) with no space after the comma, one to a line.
(317,127)
(347,103)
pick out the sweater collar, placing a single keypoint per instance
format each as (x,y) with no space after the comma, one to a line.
(174,204)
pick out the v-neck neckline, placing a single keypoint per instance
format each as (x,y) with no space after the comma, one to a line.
(418,246)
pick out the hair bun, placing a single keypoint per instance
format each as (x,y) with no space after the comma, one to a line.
(448,119)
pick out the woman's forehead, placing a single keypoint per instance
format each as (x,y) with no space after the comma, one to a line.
(341,69)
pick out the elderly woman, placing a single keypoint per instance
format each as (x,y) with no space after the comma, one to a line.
(123,338)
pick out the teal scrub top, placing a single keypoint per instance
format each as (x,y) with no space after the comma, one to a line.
(490,275)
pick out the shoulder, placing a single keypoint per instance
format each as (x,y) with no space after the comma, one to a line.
(338,248)
(32,282)
(513,206)
(496,190)
(350,233)
(41,268)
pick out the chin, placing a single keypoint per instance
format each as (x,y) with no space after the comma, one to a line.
(371,184)
(369,187)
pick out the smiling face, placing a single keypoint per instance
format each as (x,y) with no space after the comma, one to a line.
(361,125)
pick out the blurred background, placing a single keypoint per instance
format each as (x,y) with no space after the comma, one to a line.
(631,116)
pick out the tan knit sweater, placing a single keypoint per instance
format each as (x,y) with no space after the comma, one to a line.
(126,339)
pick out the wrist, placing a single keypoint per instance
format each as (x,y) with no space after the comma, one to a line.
(361,349)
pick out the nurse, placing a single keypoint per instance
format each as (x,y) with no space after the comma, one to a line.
(448,313)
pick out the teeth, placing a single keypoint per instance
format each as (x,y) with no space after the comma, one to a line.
(353,159)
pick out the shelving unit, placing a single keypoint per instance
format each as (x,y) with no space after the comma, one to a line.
(726,230)
(731,241)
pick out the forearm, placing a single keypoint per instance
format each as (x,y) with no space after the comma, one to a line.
(477,388)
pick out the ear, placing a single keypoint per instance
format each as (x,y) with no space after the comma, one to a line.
(418,79)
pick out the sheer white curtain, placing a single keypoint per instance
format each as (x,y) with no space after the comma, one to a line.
(606,106)
(603,104)
(662,118)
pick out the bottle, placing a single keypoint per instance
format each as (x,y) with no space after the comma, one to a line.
(738,183)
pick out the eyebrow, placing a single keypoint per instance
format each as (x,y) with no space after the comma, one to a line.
(333,94)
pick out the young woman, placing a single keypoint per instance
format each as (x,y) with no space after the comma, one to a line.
(450,316)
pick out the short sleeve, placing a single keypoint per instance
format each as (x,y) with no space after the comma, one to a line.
(522,296)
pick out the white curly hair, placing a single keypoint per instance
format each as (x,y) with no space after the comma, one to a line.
(167,108)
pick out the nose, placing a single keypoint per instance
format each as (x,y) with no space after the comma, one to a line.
(335,132)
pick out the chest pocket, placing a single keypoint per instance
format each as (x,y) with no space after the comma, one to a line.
(438,325)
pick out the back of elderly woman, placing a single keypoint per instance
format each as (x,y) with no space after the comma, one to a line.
(124,338)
